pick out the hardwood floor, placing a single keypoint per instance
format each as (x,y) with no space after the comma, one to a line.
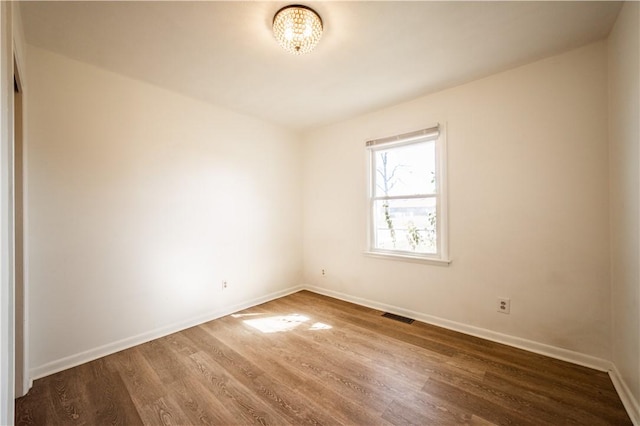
(311,359)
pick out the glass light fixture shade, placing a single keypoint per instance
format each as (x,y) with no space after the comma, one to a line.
(297,28)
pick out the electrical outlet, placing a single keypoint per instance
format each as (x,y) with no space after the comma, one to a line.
(504,305)
(224,285)
(323,273)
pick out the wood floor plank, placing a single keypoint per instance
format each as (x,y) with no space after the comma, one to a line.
(560,409)
(310,359)
(381,349)
(525,404)
(167,366)
(288,403)
(246,406)
(197,403)
(164,412)
(34,409)
(419,408)
(496,413)
(325,405)
(248,374)
(110,402)
(140,379)
(194,394)
(390,328)
(69,395)
(331,398)
(592,393)
(585,408)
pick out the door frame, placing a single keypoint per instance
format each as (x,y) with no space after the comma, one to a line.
(22,380)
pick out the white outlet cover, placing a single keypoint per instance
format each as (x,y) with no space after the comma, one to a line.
(504,305)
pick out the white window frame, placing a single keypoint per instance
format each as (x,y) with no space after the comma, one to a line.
(441,257)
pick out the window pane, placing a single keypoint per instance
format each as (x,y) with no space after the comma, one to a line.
(406,170)
(406,225)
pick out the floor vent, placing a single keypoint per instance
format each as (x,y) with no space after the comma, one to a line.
(398,318)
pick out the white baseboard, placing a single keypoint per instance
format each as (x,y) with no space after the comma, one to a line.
(632,406)
(529,345)
(110,348)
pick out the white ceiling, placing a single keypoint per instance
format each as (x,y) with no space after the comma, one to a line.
(372,54)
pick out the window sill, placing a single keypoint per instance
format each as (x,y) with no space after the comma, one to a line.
(408,258)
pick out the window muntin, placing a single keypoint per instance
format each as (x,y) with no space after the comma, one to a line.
(406,203)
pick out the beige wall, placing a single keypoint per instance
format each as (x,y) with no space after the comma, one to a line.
(141,202)
(624,164)
(528,197)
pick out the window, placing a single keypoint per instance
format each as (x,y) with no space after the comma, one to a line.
(407,204)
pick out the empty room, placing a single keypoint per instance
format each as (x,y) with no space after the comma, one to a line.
(345,213)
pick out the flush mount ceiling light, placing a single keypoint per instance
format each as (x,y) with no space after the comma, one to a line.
(297,28)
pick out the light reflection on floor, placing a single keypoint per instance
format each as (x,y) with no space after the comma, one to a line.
(280,323)
(245,315)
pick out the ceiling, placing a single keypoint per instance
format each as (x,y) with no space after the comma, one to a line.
(372,54)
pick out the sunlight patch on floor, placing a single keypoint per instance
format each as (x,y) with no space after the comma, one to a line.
(320,326)
(245,315)
(280,323)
